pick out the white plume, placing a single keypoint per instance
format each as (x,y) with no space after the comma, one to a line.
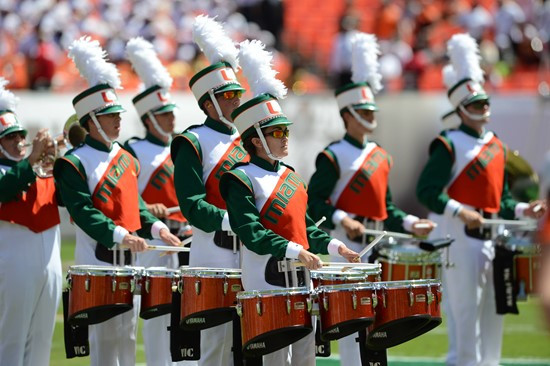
(449,76)
(214,42)
(90,60)
(146,63)
(257,68)
(464,54)
(364,61)
(7,99)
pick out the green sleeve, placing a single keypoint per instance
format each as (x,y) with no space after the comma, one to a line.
(146,218)
(317,239)
(507,203)
(190,188)
(70,180)
(320,187)
(244,217)
(16,180)
(435,176)
(394,221)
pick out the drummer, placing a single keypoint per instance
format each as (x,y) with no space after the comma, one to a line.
(98,184)
(350,184)
(266,200)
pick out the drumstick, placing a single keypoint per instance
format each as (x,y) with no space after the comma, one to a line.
(372,244)
(174,209)
(388,233)
(537,208)
(488,222)
(424,225)
(340,265)
(323,219)
(167,248)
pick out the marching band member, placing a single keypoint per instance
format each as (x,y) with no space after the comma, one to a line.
(350,184)
(98,184)
(201,155)
(156,180)
(271,229)
(30,262)
(462,183)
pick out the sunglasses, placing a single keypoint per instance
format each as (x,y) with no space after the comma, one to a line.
(13,136)
(480,105)
(278,134)
(232,94)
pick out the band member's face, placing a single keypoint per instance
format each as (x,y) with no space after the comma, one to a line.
(166,122)
(277,140)
(10,144)
(480,108)
(110,123)
(228,101)
(358,127)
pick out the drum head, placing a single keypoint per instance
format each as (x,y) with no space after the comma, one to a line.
(274,340)
(399,331)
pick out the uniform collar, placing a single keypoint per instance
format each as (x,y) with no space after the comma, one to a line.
(219,126)
(354,142)
(98,145)
(470,131)
(264,164)
(7,162)
(155,140)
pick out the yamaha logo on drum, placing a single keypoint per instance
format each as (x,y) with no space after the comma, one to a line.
(81,316)
(195,321)
(256,345)
(334,330)
(380,335)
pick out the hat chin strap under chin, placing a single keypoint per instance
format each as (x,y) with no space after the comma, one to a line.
(157,127)
(474,116)
(9,156)
(99,129)
(264,143)
(218,109)
(361,120)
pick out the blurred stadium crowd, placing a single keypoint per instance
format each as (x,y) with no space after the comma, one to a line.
(310,37)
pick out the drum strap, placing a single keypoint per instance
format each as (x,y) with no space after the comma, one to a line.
(322,347)
(483,232)
(503,279)
(107,255)
(238,358)
(75,336)
(283,274)
(368,356)
(185,345)
(227,240)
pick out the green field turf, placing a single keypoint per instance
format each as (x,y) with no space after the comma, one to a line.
(526,342)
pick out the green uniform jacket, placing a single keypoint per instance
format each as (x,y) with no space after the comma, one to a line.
(16,180)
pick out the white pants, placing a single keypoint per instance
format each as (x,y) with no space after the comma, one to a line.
(113,342)
(347,346)
(30,289)
(300,353)
(475,329)
(216,342)
(156,337)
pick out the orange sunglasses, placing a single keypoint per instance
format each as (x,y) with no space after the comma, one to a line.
(230,94)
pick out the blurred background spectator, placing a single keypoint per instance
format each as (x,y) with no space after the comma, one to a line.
(310,38)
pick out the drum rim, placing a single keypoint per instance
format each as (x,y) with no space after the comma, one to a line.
(337,274)
(406,283)
(156,271)
(399,252)
(274,292)
(346,287)
(83,269)
(211,272)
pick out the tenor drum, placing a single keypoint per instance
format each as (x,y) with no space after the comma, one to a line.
(345,309)
(208,296)
(157,285)
(98,293)
(408,262)
(273,319)
(403,312)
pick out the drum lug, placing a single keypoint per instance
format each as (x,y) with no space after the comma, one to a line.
(225,286)
(69,281)
(374,300)
(87,283)
(174,285)
(198,287)
(325,303)
(288,305)
(354,300)
(147,284)
(309,303)
(431,296)
(132,284)
(384,298)
(411,297)
(113,284)
(239,309)
(259,306)
(180,286)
